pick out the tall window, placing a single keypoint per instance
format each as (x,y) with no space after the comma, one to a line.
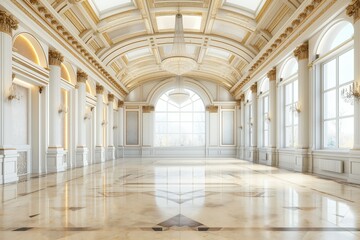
(338,115)
(337,73)
(290,97)
(265,112)
(182,125)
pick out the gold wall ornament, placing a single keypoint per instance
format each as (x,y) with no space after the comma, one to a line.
(99,89)
(120,104)
(81,77)
(253,88)
(7,23)
(272,74)
(148,109)
(111,97)
(55,58)
(302,52)
(212,108)
(353,10)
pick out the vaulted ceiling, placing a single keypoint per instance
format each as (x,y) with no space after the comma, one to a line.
(131,37)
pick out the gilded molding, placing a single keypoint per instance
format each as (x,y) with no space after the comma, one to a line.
(120,104)
(272,74)
(148,109)
(55,58)
(242,97)
(353,10)
(212,109)
(111,97)
(81,77)
(302,52)
(7,23)
(99,89)
(253,88)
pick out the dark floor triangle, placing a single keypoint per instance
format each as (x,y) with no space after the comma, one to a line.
(180,221)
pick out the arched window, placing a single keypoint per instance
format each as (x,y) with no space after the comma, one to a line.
(182,125)
(264,91)
(289,78)
(27,46)
(337,73)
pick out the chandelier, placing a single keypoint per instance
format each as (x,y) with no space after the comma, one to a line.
(351,93)
(178,63)
(179,95)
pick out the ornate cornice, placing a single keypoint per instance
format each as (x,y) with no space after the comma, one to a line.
(272,74)
(253,88)
(120,104)
(81,77)
(99,89)
(55,58)
(148,109)
(212,109)
(302,52)
(111,97)
(353,10)
(7,23)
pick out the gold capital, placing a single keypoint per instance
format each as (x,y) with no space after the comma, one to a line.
(353,10)
(254,88)
(212,109)
(81,77)
(99,89)
(272,74)
(111,97)
(148,109)
(7,23)
(55,58)
(242,97)
(302,52)
(120,104)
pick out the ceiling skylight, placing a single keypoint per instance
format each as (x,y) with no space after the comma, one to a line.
(138,53)
(215,52)
(189,22)
(252,5)
(105,5)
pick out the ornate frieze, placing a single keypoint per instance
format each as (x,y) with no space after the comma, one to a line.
(353,10)
(7,23)
(302,52)
(55,58)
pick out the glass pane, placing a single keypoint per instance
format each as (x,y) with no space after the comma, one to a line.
(288,94)
(288,117)
(266,104)
(161,106)
(329,71)
(330,134)
(173,127)
(330,104)
(199,127)
(186,127)
(288,137)
(199,117)
(346,133)
(186,117)
(296,91)
(266,138)
(199,106)
(345,109)
(296,136)
(173,117)
(160,117)
(161,127)
(346,67)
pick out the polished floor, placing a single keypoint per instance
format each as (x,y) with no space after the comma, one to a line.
(176,199)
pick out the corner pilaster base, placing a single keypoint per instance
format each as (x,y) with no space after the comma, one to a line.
(354,166)
(99,154)
(56,161)
(8,165)
(110,153)
(301,160)
(81,157)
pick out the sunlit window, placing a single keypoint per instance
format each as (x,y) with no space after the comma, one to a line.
(102,5)
(265,112)
(338,115)
(189,22)
(182,125)
(291,116)
(252,5)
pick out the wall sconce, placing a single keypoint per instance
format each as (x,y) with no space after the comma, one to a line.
(103,123)
(351,93)
(13,94)
(62,109)
(115,127)
(267,118)
(241,127)
(296,107)
(87,116)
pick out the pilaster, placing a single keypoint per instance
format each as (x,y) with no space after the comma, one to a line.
(99,149)
(271,159)
(110,147)
(254,114)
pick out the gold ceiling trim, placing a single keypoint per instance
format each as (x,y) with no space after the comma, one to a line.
(265,57)
(48,17)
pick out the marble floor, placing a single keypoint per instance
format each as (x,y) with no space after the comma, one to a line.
(176,199)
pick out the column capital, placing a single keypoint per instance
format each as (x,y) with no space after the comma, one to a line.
(7,23)
(253,88)
(302,51)
(212,108)
(99,89)
(55,58)
(272,74)
(242,97)
(120,104)
(81,77)
(353,10)
(148,109)
(111,97)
